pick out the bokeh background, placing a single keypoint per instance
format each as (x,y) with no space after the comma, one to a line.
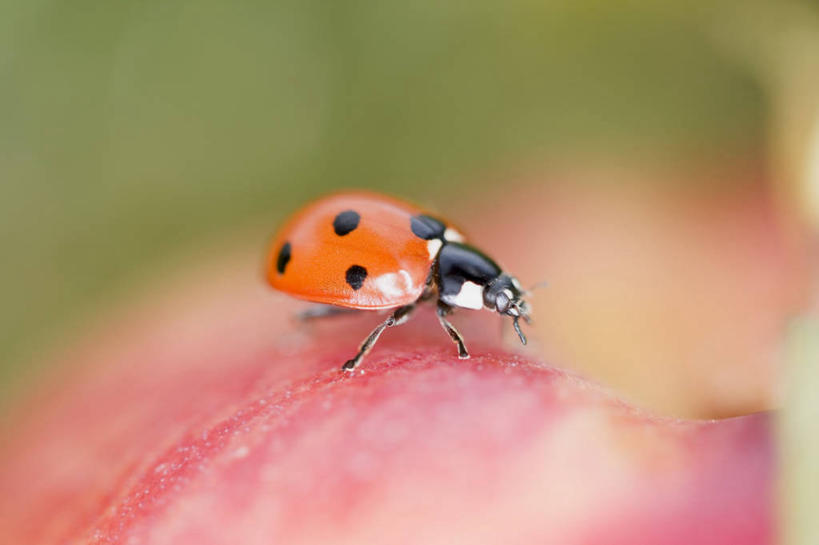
(654,158)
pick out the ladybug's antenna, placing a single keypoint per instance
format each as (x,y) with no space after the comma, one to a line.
(537,285)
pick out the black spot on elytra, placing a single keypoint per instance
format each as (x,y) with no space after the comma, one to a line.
(284,258)
(356,276)
(346,222)
(426,227)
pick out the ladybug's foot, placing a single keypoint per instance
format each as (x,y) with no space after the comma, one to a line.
(398,317)
(452,332)
(349,365)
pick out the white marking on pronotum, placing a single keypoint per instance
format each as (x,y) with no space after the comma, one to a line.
(470,296)
(433,246)
(452,235)
(394,284)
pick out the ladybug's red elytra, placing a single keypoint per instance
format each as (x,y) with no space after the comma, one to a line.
(359,250)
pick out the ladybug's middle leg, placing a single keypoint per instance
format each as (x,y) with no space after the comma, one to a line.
(398,317)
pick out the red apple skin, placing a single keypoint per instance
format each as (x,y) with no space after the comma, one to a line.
(212,418)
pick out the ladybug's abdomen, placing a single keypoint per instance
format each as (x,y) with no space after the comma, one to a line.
(353,250)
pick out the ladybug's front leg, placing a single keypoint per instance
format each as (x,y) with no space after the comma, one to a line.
(443,310)
(398,317)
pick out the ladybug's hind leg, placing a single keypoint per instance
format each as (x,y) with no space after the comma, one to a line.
(443,310)
(398,317)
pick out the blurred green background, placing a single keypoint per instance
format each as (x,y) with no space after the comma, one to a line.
(132,131)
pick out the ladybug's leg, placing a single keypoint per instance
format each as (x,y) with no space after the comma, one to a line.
(323,311)
(398,317)
(443,310)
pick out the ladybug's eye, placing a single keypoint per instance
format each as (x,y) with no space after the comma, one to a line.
(502,302)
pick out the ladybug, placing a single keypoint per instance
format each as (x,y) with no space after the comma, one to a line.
(365,251)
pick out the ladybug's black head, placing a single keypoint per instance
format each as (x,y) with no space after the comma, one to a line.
(468,278)
(504,295)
